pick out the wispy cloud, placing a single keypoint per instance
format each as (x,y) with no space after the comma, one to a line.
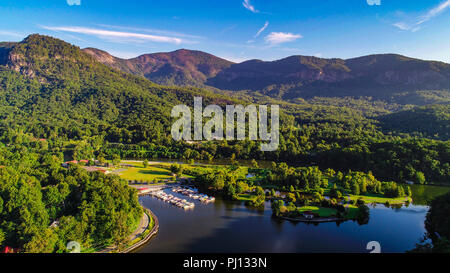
(74,2)
(12,34)
(406,27)
(249,6)
(227,29)
(276,38)
(414,25)
(262,29)
(117,34)
(150,30)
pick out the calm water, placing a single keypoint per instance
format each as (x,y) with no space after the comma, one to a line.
(232,227)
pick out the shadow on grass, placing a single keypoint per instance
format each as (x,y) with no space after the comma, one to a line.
(152,172)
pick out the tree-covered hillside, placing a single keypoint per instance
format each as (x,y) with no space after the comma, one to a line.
(431,121)
(44,206)
(53,90)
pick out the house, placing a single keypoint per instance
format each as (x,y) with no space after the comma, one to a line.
(308,215)
(66,164)
(103,171)
(410,182)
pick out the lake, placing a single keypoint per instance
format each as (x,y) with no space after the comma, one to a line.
(227,226)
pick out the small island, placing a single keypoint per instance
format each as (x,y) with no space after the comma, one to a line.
(330,196)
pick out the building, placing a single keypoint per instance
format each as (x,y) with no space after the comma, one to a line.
(308,215)
(66,164)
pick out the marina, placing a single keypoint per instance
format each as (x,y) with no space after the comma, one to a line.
(194,194)
(168,198)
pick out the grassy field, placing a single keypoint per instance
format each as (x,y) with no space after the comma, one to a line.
(378,199)
(145,174)
(369,197)
(135,171)
(323,212)
(246,197)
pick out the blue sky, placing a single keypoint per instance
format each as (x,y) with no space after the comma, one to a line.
(239,30)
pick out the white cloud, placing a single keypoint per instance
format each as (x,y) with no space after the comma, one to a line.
(434,12)
(249,6)
(149,30)
(262,29)
(74,2)
(402,26)
(406,27)
(117,34)
(414,25)
(276,38)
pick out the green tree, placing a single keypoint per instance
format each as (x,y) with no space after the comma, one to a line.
(255,164)
(291,197)
(355,189)
(420,178)
(116,160)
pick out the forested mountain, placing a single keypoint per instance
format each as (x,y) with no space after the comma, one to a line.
(379,76)
(182,67)
(387,76)
(50,89)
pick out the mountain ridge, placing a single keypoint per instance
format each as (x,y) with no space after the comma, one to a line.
(181,67)
(380,76)
(375,75)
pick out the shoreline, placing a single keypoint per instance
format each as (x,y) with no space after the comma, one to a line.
(320,220)
(149,236)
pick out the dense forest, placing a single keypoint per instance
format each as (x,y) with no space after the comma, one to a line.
(53,90)
(44,206)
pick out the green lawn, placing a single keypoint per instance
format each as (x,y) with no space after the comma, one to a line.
(323,212)
(246,197)
(150,173)
(379,199)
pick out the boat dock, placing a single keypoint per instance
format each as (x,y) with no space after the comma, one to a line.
(193,193)
(168,198)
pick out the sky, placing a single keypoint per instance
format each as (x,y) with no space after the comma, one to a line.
(239,30)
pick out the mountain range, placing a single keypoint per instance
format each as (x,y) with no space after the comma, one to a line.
(378,76)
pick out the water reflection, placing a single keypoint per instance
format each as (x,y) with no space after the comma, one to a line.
(232,227)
